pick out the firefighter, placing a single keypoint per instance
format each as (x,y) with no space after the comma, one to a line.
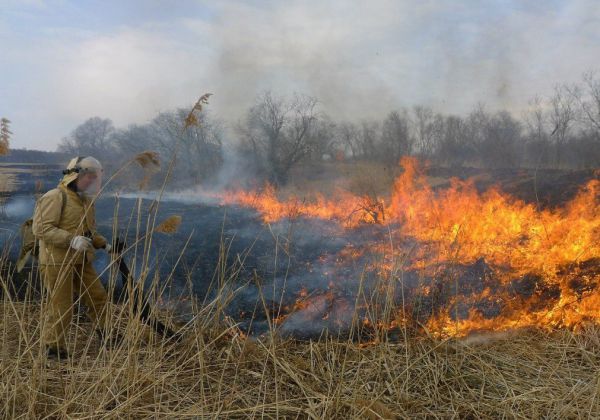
(65,226)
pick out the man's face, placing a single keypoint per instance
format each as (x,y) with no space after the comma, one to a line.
(86,180)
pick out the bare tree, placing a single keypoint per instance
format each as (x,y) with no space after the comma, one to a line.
(423,128)
(348,136)
(591,106)
(451,132)
(438,127)
(396,140)
(584,150)
(502,138)
(279,133)
(535,120)
(368,138)
(476,126)
(537,134)
(588,100)
(562,116)
(323,139)
(198,147)
(93,137)
(134,139)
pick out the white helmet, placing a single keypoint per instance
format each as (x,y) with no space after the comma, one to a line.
(90,164)
(81,166)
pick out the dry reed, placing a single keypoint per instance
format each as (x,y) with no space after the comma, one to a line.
(169,225)
(216,371)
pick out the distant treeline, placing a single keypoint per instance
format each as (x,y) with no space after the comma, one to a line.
(198,148)
(34,156)
(276,133)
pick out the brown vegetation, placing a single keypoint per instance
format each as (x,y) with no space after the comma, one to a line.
(217,372)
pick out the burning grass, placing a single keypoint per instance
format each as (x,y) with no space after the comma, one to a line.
(217,372)
(374,369)
(433,231)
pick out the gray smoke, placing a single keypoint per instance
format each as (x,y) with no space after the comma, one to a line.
(359,59)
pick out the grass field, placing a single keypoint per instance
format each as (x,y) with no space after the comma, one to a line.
(216,372)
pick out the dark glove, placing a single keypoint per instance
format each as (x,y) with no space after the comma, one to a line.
(117,246)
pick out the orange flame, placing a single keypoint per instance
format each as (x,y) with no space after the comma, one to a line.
(460,225)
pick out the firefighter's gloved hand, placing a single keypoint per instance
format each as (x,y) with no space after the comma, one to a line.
(81,243)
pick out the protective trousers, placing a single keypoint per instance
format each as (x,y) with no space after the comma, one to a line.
(61,282)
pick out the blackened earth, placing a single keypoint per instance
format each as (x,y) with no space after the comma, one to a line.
(296,274)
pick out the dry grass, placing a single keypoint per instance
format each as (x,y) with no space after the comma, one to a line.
(191,118)
(148,159)
(215,372)
(169,225)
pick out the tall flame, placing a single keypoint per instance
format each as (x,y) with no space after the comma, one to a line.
(460,225)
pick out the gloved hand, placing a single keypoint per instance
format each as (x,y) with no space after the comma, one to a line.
(81,243)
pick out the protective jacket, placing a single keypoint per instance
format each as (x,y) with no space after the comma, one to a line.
(55,223)
(59,216)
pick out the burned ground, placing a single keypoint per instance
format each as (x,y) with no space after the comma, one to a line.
(307,275)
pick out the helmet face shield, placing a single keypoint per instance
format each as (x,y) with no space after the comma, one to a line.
(89,182)
(89,176)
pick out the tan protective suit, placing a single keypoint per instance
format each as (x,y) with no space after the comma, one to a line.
(64,270)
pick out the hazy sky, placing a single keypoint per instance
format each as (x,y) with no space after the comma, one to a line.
(64,61)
